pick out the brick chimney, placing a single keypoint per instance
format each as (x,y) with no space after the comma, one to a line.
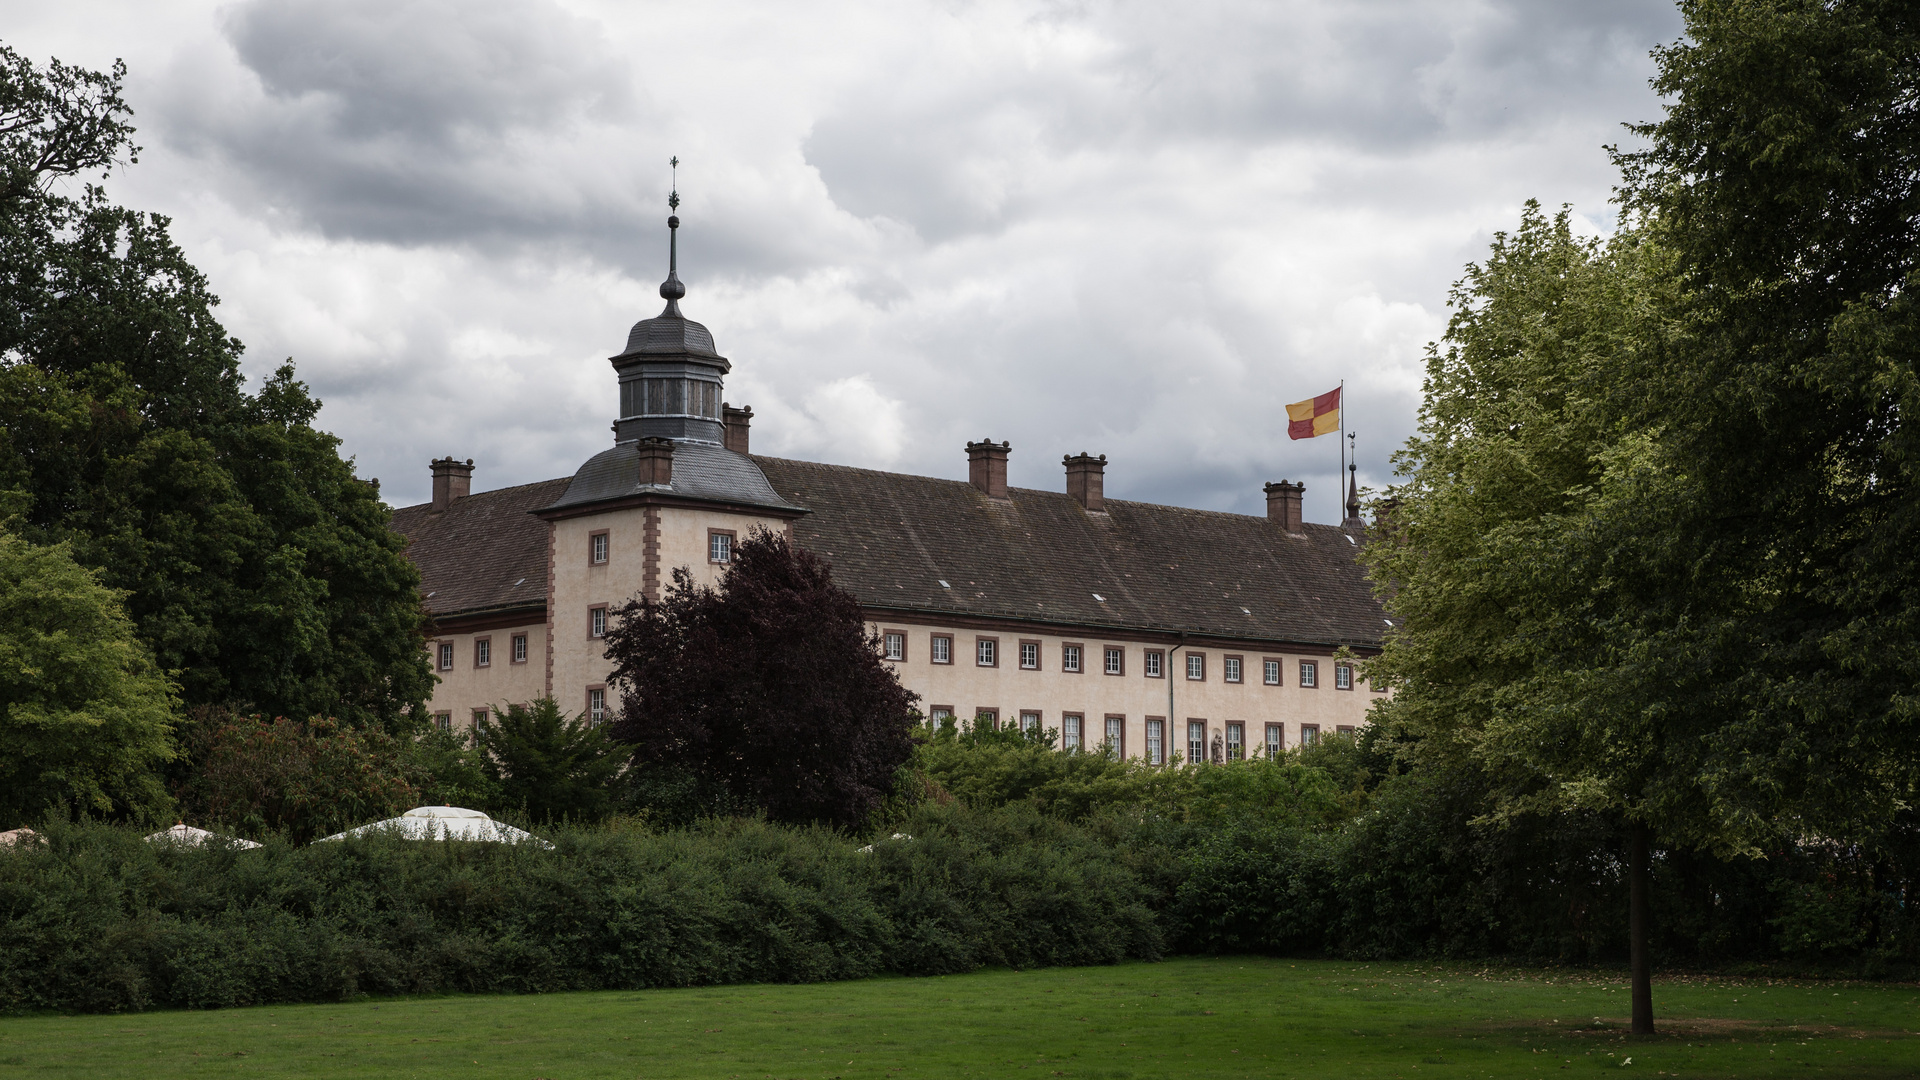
(451,480)
(987,467)
(1283,505)
(736,421)
(656,460)
(1086,477)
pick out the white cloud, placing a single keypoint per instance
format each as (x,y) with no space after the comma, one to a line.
(1125,227)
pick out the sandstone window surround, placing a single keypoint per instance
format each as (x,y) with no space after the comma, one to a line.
(893,645)
(482,652)
(1029,655)
(720,546)
(1231,668)
(1309,675)
(1070,654)
(940,649)
(1070,730)
(1196,667)
(986,652)
(1156,740)
(1155,664)
(519,648)
(1270,668)
(598,547)
(1115,660)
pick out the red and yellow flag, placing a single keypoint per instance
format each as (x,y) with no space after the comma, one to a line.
(1306,419)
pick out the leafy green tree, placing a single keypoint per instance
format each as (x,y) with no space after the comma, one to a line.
(300,779)
(548,765)
(1655,557)
(257,565)
(85,716)
(1527,558)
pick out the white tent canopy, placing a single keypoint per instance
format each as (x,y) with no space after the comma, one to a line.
(187,836)
(444,823)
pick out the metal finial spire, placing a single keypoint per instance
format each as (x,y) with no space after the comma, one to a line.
(671,289)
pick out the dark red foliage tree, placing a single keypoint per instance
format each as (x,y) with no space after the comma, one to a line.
(770,688)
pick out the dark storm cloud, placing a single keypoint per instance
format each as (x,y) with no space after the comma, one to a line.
(1370,80)
(422,121)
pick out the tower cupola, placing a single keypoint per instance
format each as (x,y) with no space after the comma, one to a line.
(670,374)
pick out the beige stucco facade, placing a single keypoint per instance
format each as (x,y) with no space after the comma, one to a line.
(967,686)
(583,577)
(467,684)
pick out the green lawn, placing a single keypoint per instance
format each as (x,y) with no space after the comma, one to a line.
(1229,1017)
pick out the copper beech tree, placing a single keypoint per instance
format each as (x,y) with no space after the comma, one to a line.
(769,689)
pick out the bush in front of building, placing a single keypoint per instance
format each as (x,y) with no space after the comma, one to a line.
(94,918)
(769,689)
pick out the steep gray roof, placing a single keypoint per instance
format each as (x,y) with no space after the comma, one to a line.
(484,552)
(893,538)
(700,471)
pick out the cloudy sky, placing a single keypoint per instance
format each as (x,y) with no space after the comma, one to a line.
(1137,229)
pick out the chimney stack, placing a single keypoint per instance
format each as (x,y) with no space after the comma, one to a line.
(656,461)
(987,467)
(1283,505)
(1086,479)
(737,422)
(451,480)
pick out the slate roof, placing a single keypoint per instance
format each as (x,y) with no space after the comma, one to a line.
(669,334)
(893,538)
(485,552)
(700,471)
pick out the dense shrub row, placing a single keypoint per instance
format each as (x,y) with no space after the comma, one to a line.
(1057,861)
(96,919)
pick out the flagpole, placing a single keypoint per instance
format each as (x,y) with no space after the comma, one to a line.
(1340,493)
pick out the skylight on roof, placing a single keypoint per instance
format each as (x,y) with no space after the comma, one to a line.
(1352,541)
(1100,598)
(522,581)
(430,595)
(944,585)
(1245,611)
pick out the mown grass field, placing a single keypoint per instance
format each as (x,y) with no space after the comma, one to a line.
(1229,1017)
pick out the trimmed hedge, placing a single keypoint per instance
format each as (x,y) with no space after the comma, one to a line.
(96,919)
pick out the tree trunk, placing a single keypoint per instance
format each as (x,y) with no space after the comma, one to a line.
(1638,872)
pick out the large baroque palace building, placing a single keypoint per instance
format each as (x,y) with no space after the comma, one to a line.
(1158,630)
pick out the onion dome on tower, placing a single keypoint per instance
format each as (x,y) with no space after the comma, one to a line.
(670,374)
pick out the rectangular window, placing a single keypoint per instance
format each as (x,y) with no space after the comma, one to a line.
(1343,676)
(1236,742)
(895,642)
(482,652)
(1070,658)
(1156,664)
(1030,655)
(1345,729)
(446,656)
(1197,666)
(479,717)
(443,721)
(1276,740)
(597,622)
(1270,671)
(986,719)
(1156,741)
(986,652)
(1309,734)
(1196,741)
(597,549)
(1029,721)
(519,648)
(1309,674)
(1376,684)
(942,650)
(1116,742)
(596,706)
(1230,668)
(939,714)
(719,546)
(1116,660)
(1070,731)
